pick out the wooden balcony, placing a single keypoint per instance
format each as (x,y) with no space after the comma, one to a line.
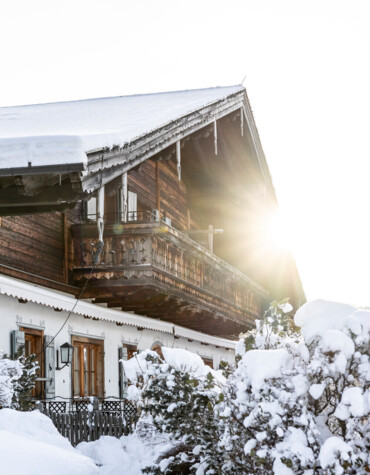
(152,269)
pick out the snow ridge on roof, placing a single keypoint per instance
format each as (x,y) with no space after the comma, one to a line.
(97,123)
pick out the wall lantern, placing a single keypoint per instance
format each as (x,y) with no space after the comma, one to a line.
(66,355)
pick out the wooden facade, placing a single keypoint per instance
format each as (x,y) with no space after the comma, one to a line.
(158,261)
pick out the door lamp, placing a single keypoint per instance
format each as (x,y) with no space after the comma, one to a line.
(66,355)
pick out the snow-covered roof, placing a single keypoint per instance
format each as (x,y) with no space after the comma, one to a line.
(62,133)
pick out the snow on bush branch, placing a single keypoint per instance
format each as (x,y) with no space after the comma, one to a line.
(17,378)
(297,401)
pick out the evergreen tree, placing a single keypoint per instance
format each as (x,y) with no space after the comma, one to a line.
(182,405)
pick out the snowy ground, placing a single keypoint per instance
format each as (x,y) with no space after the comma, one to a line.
(31,445)
(125,456)
(45,452)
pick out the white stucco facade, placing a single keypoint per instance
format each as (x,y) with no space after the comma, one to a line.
(16,311)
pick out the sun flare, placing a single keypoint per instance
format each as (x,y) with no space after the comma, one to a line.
(278,231)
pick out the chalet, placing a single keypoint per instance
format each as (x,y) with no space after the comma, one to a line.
(129,223)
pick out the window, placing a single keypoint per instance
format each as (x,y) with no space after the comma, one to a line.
(33,345)
(88,367)
(91,209)
(157,347)
(208,362)
(126,352)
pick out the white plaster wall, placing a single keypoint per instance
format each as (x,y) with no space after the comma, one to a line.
(14,314)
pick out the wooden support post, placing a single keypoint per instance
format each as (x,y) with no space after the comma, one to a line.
(100,203)
(215,134)
(124,197)
(65,247)
(158,189)
(188,218)
(242,121)
(210,238)
(178,159)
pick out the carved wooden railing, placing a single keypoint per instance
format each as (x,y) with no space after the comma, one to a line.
(159,252)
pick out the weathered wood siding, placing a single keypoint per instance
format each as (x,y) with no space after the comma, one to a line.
(34,244)
(173,195)
(172,191)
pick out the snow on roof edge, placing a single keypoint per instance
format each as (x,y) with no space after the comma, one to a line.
(240,86)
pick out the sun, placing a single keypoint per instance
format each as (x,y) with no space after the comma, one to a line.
(277,231)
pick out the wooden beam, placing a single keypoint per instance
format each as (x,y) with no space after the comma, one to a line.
(26,209)
(241,121)
(100,203)
(124,193)
(215,135)
(178,159)
(10,197)
(158,190)
(65,247)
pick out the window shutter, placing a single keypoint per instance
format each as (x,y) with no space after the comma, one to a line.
(132,206)
(49,366)
(100,391)
(17,342)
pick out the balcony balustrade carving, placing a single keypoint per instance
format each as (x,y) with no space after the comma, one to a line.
(159,253)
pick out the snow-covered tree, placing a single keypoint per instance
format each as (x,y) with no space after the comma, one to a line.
(337,336)
(298,402)
(17,378)
(267,427)
(180,393)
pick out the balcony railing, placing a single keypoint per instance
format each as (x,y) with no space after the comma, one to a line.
(147,247)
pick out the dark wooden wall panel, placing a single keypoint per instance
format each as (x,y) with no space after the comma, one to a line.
(172,191)
(142,181)
(173,195)
(33,244)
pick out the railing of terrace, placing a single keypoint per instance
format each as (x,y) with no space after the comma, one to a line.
(151,248)
(88,419)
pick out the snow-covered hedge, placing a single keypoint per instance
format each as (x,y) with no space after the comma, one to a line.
(298,400)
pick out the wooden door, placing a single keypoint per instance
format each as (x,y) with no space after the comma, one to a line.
(88,367)
(34,346)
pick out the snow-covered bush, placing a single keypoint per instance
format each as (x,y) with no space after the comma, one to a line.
(297,402)
(337,337)
(17,378)
(267,427)
(180,392)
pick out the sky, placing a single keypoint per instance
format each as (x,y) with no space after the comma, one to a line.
(305,65)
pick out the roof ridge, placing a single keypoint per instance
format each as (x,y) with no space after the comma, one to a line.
(124,96)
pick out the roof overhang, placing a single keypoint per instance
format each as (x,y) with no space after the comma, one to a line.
(59,301)
(43,170)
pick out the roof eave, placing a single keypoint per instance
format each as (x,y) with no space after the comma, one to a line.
(43,170)
(105,165)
